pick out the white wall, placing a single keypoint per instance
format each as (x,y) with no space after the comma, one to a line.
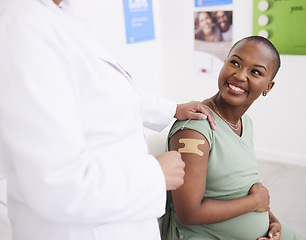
(182,81)
(166,66)
(141,60)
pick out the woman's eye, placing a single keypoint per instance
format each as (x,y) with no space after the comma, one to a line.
(256,72)
(235,63)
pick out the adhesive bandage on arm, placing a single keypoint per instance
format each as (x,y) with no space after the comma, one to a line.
(191,146)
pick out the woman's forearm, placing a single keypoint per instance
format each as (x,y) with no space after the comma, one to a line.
(272,218)
(215,211)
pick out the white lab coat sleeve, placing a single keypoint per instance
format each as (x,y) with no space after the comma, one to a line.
(42,140)
(157,111)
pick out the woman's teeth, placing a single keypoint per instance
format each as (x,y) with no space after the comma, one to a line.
(237,89)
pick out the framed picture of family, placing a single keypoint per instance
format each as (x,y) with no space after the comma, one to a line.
(213,34)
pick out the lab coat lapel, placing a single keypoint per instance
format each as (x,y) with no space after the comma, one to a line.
(120,69)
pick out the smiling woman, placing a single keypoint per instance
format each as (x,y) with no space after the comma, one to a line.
(247,73)
(222,197)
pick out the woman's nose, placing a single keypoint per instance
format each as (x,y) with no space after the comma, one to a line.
(241,75)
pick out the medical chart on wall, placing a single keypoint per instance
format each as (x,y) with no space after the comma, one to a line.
(283,23)
(139,24)
(204,3)
(213,34)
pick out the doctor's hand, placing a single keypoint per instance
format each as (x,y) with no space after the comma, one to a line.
(195,110)
(173,169)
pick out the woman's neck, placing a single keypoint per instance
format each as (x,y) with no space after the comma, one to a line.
(229,112)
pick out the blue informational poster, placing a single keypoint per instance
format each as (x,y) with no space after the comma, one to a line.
(204,3)
(139,25)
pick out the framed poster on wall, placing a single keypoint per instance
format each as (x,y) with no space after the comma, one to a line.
(213,33)
(139,24)
(283,23)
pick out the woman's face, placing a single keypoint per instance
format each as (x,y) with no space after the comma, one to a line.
(205,23)
(247,73)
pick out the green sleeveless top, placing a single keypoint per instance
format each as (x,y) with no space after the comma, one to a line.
(232,170)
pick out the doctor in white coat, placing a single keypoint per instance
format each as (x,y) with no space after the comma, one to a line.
(71,132)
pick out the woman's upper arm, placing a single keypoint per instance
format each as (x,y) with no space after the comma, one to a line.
(194,148)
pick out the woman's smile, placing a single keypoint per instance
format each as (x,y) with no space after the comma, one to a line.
(236,89)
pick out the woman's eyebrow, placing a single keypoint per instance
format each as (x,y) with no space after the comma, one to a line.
(260,67)
(235,55)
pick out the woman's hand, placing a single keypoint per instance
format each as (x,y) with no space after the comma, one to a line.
(274,228)
(274,232)
(261,196)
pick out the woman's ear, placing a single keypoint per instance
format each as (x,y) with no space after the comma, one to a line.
(268,89)
(270,86)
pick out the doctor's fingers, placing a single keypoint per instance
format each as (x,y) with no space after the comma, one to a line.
(204,113)
(199,111)
(173,169)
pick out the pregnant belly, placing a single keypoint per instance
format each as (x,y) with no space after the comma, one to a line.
(247,226)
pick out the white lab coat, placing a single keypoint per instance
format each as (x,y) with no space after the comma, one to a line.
(71,132)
